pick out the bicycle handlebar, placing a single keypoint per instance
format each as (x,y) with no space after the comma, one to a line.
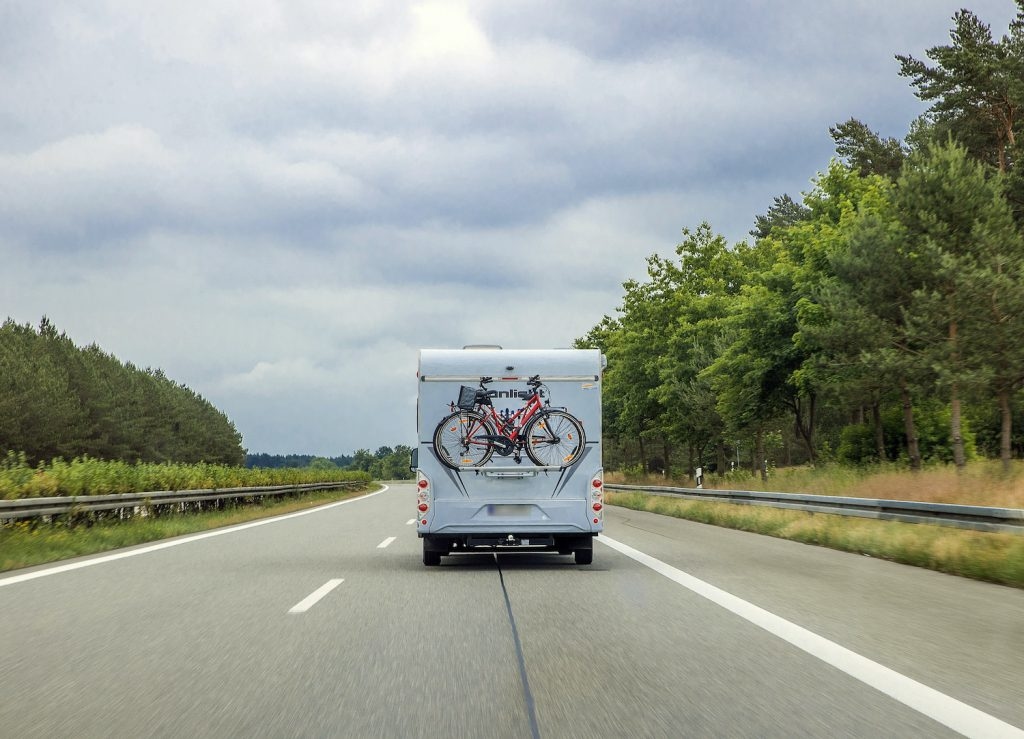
(533,382)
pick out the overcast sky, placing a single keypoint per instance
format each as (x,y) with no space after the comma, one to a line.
(279,203)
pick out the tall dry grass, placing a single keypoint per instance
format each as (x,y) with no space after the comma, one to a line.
(982,483)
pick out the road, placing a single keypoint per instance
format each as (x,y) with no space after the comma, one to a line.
(326,624)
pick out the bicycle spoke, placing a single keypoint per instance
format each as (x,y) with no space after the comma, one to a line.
(460,440)
(555,440)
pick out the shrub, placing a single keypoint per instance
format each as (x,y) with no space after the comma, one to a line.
(932,419)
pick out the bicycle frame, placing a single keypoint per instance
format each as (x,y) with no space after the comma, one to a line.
(508,427)
(511,426)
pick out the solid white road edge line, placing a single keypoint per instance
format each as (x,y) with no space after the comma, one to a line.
(956,715)
(311,600)
(386,542)
(175,542)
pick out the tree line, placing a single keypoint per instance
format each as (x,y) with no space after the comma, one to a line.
(60,400)
(386,463)
(266,461)
(878,318)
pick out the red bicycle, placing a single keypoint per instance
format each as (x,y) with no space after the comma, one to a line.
(551,437)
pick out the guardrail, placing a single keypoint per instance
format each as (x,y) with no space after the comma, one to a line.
(64,505)
(980,518)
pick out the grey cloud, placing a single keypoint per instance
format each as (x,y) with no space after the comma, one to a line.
(278,203)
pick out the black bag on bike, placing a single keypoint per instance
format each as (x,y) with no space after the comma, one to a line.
(467,398)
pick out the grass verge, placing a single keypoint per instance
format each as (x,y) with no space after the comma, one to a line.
(983,482)
(993,557)
(27,543)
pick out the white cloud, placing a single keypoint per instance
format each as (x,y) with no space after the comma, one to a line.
(444,30)
(274,378)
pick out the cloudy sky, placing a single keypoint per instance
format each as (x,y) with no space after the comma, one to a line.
(279,202)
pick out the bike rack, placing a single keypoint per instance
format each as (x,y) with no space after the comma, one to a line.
(513,471)
(524,378)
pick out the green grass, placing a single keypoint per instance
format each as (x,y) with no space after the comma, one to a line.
(87,476)
(993,557)
(30,543)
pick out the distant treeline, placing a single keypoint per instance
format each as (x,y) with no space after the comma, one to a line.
(386,463)
(60,400)
(298,461)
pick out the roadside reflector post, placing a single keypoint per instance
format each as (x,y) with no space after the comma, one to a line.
(700,478)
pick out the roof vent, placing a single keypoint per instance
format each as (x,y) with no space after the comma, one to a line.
(482,346)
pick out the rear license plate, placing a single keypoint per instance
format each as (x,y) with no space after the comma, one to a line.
(508,510)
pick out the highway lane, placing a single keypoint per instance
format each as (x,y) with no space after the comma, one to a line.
(962,637)
(198,639)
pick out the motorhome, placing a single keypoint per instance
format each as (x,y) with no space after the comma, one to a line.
(509,451)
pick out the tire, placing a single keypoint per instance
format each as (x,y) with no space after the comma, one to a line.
(454,442)
(585,556)
(555,439)
(431,557)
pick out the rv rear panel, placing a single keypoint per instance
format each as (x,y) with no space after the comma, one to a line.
(520,468)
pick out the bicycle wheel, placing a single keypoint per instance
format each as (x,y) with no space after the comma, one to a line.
(460,440)
(555,439)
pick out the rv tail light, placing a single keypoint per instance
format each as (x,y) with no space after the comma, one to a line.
(597,496)
(424,496)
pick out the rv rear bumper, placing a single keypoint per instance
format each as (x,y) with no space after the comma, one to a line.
(522,517)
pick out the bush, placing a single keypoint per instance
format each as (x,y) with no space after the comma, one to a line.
(857,445)
(87,476)
(932,419)
(634,472)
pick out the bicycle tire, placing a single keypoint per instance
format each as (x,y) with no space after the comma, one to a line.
(454,444)
(555,439)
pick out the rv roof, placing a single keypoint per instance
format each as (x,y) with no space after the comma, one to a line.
(509,363)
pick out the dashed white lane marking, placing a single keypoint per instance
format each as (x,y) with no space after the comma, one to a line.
(311,600)
(386,542)
(958,716)
(176,542)
(410,522)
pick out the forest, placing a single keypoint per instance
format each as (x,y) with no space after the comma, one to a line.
(60,400)
(877,318)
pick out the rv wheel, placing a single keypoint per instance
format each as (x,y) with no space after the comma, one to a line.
(431,557)
(585,556)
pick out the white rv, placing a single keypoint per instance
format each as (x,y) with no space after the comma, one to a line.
(509,451)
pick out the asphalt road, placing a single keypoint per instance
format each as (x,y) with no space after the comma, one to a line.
(327,624)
